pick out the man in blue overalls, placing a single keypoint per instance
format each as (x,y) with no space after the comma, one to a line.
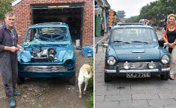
(8,57)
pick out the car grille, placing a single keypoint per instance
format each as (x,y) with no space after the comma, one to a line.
(44,68)
(140,65)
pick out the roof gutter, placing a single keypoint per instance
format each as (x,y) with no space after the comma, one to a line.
(16,2)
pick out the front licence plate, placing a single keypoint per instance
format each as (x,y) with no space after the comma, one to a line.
(138,75)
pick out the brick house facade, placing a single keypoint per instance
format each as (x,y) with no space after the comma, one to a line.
(24,19)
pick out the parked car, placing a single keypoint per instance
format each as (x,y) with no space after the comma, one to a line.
(133,51)
(47,52)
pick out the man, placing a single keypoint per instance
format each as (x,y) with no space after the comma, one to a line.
(8,57)
(102,29)
(145,22)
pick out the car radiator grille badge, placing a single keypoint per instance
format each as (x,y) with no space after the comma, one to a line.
(139,57)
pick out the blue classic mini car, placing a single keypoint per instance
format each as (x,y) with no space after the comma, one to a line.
(133,51)
(47,52)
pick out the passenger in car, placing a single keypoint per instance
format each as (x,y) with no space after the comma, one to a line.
(170,38)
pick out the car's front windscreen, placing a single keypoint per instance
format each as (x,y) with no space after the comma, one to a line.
(131,35)
(48,34)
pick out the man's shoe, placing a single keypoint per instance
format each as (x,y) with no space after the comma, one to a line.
(17,94)
(12,102)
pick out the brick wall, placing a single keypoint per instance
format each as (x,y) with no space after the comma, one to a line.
(23,14)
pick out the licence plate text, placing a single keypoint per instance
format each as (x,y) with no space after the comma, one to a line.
(138,75)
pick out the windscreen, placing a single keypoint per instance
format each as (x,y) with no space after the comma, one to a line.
(48,34)
(133,35)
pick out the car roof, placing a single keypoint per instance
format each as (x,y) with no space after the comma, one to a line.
(49,24)
(131,25)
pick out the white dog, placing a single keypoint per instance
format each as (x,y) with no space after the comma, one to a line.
(84,76)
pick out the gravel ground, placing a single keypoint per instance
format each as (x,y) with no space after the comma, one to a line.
(48,93)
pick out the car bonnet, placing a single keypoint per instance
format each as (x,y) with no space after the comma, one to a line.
(136,51)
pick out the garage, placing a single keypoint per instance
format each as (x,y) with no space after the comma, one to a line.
(78,14)
(72,14)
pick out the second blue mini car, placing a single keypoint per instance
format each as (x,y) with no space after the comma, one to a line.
(133,51)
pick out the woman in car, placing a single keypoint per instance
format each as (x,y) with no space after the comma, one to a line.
(170,38)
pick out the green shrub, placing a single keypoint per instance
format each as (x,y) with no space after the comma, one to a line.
(5,7)
(90,62)
(90,100)
(90,85)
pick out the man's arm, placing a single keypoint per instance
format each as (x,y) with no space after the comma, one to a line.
(1,39)
(2,47)
(12,49)
(19,47)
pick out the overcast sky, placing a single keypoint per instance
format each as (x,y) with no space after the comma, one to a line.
(131,7)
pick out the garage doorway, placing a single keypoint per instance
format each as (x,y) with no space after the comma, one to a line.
(72,14)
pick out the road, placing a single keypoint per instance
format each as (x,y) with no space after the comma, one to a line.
(48,93)
(132,93)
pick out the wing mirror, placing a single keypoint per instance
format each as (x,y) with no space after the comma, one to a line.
(105,45)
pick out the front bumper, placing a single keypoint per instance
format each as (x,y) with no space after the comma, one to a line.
(137,70)
(117,72)
(45,72)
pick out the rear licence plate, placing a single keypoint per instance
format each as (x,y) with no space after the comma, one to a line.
(138,75)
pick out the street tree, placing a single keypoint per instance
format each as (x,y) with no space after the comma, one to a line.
(5,6)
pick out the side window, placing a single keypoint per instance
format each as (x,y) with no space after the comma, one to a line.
(30,35)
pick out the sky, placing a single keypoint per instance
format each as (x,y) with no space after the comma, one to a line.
(131,7)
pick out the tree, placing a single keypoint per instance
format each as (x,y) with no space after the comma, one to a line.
(156,10)
(133,19)
(5,7)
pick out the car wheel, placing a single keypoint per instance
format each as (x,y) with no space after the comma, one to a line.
(20,80)
(107,78)
(72,80)
(165,76)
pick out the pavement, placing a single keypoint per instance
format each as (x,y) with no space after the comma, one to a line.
(132,93)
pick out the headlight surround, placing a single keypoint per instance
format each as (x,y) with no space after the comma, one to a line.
(165,59)
(111,60)
(69,64)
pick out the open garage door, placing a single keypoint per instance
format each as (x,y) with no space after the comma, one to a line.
(72,14)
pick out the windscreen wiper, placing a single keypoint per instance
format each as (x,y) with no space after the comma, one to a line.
(120,41)
(138,42)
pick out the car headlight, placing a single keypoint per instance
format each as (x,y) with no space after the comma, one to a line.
(165,59)
(111,60)
(69,64)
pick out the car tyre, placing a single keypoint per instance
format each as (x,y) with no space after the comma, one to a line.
(72,80)
(165,76)
(20,80)
(107,78)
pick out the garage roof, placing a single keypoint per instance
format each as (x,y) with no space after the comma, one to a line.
(15,2)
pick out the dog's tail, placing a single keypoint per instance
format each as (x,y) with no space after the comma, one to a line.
(88,75)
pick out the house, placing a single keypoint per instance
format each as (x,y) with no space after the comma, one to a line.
(101,15)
